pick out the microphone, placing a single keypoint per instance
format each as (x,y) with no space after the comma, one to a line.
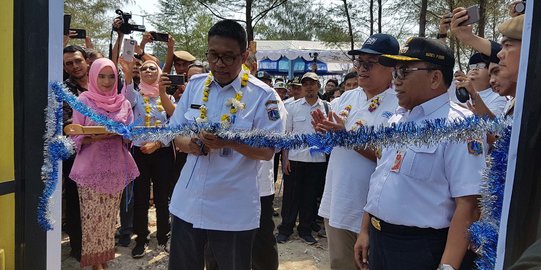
(462,94)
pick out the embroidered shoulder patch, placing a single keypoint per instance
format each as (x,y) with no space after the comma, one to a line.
(475,147)
(272,110)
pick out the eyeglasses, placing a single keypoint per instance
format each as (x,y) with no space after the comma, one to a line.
(151,68)
(401,73)
(365,64)
(227,59)
(477,66)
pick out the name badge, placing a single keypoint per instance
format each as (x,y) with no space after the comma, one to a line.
(195,106)
(398,161)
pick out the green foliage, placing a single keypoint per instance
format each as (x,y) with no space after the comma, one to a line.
(188,24)
(93,15)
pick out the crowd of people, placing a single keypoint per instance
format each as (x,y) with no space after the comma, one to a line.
(384,208)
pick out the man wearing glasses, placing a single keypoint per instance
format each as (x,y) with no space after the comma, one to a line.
(422,199)
(348,174)
(477,83)
(216,199)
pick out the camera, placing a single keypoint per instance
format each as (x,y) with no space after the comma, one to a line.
(126,27)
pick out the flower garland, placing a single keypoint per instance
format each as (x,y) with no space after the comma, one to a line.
(345,112)
(159,107)
(235,104)
(374,104)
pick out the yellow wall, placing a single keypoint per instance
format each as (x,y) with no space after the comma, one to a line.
(7,172)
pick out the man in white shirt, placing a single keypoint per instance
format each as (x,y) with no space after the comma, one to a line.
(348,174)
(477,83)
(304,170)
(216,198)
(295,91)
(422,199)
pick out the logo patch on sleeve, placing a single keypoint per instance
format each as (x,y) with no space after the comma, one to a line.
(475,147)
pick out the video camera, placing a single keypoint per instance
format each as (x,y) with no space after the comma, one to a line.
(126,27)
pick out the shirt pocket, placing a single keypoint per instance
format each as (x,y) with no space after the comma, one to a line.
(191,115)
(300,118)
(419,162)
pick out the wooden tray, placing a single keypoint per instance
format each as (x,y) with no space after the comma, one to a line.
(76,129)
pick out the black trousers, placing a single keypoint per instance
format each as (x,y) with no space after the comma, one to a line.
(264,251)
(231,250)
(156,167)
(277,160)
(301,188)
(72,210)
(410,251)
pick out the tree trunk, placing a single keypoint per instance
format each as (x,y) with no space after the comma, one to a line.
(249,26)
(371,17)
(422,18)
(349,24)
(380,10)
(482,18)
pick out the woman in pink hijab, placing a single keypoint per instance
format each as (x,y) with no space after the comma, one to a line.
(154,159)
(103,165)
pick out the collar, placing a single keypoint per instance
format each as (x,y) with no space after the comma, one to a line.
(430,106)
(235,84)
(319,102)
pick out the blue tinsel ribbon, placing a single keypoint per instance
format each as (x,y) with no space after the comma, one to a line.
(484,233)
(426,133)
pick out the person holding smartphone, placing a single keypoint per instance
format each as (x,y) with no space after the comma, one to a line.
(154,158)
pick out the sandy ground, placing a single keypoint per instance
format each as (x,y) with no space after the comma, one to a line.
(293,255)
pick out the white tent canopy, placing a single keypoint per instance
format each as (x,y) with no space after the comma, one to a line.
(292,49)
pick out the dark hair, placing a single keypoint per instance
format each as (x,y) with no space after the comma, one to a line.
(350,75)
(74,49)
(446,71)
(230,29)
(91,53)
(333,80)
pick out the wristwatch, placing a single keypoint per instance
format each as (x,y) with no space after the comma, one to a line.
(441,35)
(444,266)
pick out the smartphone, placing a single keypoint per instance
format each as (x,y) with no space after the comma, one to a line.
(160,36)
(176,79)
(67,22)
(473,16)
(80,33)
(128,48)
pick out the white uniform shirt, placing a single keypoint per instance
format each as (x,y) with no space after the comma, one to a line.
(265,173)
(299,121)
(421,192)
(265,177)
(348,173)
(493,100)
(222,193)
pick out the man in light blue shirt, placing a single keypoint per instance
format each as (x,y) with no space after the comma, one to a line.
(216,198)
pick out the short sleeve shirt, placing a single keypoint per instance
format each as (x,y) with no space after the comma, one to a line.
(219,191)
(348,173)
(416,186)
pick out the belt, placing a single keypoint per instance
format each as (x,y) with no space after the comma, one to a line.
(383,226)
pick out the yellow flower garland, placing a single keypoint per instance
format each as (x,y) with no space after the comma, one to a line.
(234,104)
(159,107)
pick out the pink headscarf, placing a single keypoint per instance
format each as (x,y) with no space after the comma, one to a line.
(110,101)
(151,90)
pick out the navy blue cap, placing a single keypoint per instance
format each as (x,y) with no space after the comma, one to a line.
(421,49)
(378,44)
(478,58)
(263,75)
(495,48)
